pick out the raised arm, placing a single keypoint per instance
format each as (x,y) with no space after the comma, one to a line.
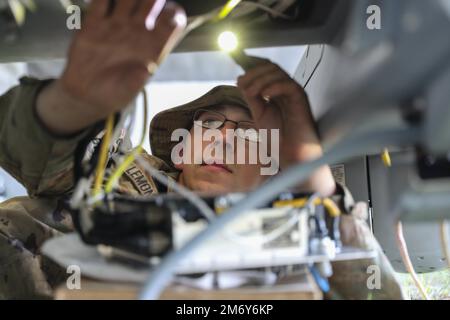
(109,62)
(288,109)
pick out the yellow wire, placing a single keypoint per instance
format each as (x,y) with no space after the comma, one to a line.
(101,165)
(407,260)
(329,204)
(295,203)
(227,8)
(129,159)
(331,207)
(386,158)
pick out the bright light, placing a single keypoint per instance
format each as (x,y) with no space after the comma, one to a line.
(228,41)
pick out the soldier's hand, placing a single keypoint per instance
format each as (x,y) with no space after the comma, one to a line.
(110,60)
(278,102)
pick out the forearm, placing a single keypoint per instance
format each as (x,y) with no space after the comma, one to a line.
(321,180)
(62,114)
(307,147)
(42,162)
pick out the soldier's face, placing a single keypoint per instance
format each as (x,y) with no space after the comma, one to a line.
(219,172)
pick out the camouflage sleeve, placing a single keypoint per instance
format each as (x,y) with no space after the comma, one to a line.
(40,161)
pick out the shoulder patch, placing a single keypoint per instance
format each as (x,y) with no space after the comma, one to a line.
(140,181)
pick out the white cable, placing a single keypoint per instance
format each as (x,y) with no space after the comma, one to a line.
(348,148)
(125,115)
(271,236)
(84,186)
(275,234)
(201,205)
(267,9)
(445,241)
(407,260)
(198,21)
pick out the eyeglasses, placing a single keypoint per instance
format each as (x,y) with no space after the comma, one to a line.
(209,119)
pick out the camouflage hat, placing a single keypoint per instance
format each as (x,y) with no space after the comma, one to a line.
(164,123)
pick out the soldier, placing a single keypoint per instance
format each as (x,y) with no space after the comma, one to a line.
(109,62)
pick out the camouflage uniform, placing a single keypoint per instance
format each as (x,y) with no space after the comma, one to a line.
(43,163)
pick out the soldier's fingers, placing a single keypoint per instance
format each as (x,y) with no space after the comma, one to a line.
(256,105)
(148,11)
(123,10)
(286,87)
(168,28)
(172,17)
(250,76)
(98,9)
(255,102)
(264,81)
